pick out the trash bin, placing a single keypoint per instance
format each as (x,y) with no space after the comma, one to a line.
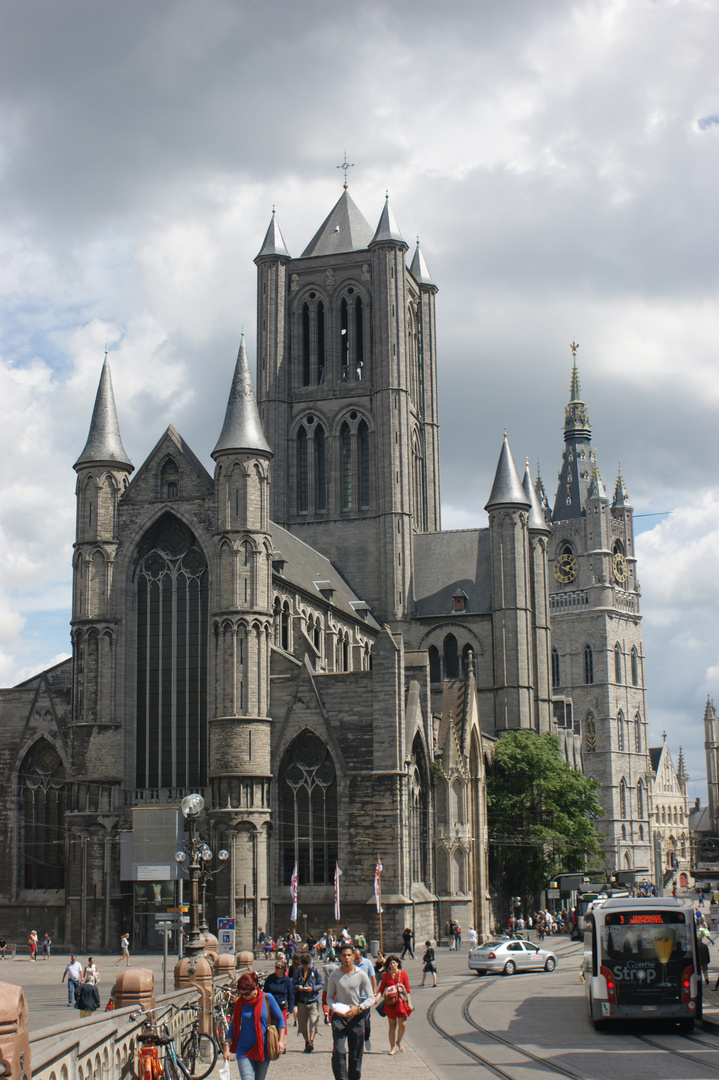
(374,948)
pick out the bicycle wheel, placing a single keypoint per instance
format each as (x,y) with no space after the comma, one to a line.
(199,1055)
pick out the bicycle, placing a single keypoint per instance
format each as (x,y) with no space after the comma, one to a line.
(198,1051)
(224,998)
(151,1067)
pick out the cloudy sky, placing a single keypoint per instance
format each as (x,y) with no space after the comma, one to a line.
(558,161)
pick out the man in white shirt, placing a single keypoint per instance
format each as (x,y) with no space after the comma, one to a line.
(73,974)
(350,988)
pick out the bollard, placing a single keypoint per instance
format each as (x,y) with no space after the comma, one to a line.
(210,946)
(196,970)
(14,1034)
(244,962)
(225,966)
(135,986)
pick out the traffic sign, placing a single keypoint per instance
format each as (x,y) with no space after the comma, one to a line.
(226,940)
(226,924)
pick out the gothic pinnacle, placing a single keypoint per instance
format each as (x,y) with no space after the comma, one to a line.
(242,429)
(104,443)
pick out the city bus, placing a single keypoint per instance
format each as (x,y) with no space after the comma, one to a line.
(640,961)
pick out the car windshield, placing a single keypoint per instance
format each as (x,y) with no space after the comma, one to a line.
(493,944)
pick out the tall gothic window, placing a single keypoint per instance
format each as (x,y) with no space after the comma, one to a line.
(451,657)
(363,452)
(638,733)
(635,666)
(555,668)
(320,343)
(591,728)
(320,470)
(344,342)
(43,804)
(171,588)
(419,813)
(345,467)
(617,663)
(308,823)
(435,667)
(359,339)
(622,798)
(302,472)
(305,345)
(620,731)
(588,664)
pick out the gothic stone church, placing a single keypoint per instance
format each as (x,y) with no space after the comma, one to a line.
(294,637)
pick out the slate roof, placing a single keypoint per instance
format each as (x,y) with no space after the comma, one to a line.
(507,488)
(274,242)
(303,566)
(104,444)
(655,753)
(454,712)
(447,561)
(388,229)
(419,270)
(344,230)
(242,429)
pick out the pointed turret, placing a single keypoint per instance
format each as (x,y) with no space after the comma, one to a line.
(596,488)
(419,270)
(274,243)
(536,515)
(507,488)
(621,499)
(387,229)
(104,444)
(242,429)
(345,229)
(542,496)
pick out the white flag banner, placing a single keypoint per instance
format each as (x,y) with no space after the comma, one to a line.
(378,886)
(293,889)
(337,892)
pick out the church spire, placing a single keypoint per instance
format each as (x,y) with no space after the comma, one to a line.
(387,229)
(576,414)
(104,443)
(418,268)
(536,514)
(242,429)
(621,498)
(507,488)
(274,243)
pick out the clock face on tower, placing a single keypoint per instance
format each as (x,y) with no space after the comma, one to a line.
(619,566)
(565,568)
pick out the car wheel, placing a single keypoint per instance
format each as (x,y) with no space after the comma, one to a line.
(480,971)
(510,967)
(550,964)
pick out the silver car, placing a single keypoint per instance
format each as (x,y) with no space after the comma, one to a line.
(507,956)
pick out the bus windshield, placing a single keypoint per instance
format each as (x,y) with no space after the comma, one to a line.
(648,952)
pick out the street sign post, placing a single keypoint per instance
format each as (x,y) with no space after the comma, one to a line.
(226,940)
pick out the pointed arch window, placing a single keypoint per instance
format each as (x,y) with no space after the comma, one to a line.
(308,820)
(320,343)
(419,813)
(169,479)
(171,657)
(617,663)
(435,667)
(285,626)
(306,345)
(622,798)
(345,467)
(635,666)
(638,733)
(43,803)
(344,341)
(555,669)
(364,464)
(588,665)
(621,745)
(451,657)
(320,470)
(302,472)
(359,339)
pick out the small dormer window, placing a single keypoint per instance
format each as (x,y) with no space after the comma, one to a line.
(459,600)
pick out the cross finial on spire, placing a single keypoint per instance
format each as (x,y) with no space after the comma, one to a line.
(574,346)
(345,166)
(664,736)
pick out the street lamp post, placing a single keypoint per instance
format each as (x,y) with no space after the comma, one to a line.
(206,874)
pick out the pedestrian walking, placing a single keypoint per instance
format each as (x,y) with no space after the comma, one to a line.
(73,974)
(452,925)
(124,950)
(46,944)
(32,942)
(701,899)
(254,1011)
(87,998)
(307,985)
(429,965)
(407,937)
(349,996)
(472,936)
(365,964)
(281,987)
(91,972)
(457,936)
(703,957)
(393,992)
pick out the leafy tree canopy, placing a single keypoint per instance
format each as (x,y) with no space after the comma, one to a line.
(541,813)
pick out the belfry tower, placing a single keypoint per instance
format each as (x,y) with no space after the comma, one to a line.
(347,391)
(597,650)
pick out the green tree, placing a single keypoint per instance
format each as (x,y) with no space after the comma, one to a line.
(541,814)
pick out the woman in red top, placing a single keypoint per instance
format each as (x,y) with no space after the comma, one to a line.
(393,991)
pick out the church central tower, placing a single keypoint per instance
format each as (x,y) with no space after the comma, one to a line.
(347,392)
